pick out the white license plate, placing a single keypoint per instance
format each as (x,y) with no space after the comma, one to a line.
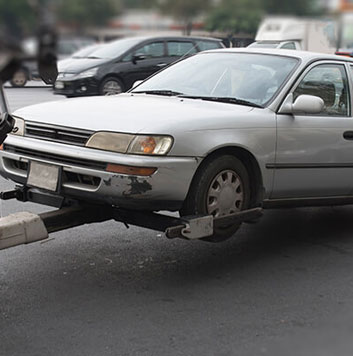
(42,175)
(59,85)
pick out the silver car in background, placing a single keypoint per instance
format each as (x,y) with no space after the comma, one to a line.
(219,132)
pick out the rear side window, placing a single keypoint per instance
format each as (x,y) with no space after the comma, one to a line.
(330,83)
(206,45)
(289,45)
(180,48)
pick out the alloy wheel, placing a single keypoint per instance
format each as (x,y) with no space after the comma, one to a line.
(111,87)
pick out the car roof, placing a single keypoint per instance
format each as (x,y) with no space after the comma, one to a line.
(305,56)
(145,38)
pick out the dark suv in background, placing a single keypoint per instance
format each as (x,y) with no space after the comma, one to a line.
(114,67)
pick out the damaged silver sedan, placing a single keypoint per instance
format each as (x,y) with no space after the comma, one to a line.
(214,134)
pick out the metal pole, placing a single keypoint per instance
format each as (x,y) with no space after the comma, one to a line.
(3,102)
(339,32)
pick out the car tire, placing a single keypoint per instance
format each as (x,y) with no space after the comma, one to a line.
(111,86)
(19,79)
(220,187)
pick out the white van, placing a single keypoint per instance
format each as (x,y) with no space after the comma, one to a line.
(297,33)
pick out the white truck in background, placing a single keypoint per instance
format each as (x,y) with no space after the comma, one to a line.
(345,44)
(297,33)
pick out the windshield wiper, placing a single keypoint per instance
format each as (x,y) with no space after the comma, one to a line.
(224,99)
(91,57)
(158,92)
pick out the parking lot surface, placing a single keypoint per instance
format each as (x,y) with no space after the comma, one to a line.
(283,286)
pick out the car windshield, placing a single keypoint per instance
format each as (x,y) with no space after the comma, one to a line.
(114,49)
(84,52)
(68,47)
(240,78)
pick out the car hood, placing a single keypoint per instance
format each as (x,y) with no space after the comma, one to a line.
(63,64)
(79,65)
(135,113)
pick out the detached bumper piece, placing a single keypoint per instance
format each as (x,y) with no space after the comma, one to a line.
(24,227)
(21,228)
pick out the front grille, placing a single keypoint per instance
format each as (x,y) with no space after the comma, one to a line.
(72,178)
(55,157)
(57,133)
(82,179)
(22,166)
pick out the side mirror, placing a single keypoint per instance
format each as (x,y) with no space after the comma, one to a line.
(138,57)
(308,104)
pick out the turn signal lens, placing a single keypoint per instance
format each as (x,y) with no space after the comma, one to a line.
(130,170)
(151,145)
(148,145)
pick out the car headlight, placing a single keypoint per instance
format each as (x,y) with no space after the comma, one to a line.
(110,141)
(133,144)
(87,73)
(19,127)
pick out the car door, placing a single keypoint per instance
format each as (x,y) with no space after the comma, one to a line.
(154,57)
(314,155)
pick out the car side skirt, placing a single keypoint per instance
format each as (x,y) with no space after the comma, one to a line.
(307,202)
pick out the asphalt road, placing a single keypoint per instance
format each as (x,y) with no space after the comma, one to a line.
(283,286)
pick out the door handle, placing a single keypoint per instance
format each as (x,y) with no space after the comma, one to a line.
(160,65)
(348,135)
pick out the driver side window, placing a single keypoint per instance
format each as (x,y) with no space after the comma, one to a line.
(328,82)
(152,50)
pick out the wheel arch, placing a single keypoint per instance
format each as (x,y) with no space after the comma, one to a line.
(250,163)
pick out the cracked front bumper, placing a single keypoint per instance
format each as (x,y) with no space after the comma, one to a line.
(83,176)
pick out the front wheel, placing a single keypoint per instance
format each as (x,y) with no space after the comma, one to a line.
(111,86)
(19,79)
(220,187)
